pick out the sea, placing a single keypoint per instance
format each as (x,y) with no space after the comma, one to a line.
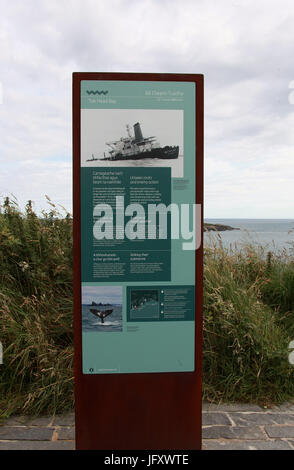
(272,234)
(112,322)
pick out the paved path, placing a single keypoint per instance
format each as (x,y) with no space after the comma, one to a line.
(247,427)
(225,427)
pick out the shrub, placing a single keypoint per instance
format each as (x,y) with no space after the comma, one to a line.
(36,310)
(248,324)
(248,317)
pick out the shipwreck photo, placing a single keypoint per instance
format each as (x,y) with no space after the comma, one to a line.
(133,137)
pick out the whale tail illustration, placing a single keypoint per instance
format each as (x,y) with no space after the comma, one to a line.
(100,314)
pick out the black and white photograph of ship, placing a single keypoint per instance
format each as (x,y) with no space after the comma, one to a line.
(136,147)
(133,138)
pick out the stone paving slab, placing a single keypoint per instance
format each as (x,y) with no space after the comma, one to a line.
(225,427)
(65,433)
(26,433)
(215,418)
(231,444)
(37,445)
(230,407)
(280,431)
(230,432)
(42,421)
(287,407)
(251,427)
(64,420)
(247,419)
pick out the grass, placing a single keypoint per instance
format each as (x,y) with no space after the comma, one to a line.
(248,325)
(35,311)
(248,317)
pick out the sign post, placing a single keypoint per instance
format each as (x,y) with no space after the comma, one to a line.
(138,196)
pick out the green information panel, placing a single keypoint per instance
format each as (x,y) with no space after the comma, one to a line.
(137,255)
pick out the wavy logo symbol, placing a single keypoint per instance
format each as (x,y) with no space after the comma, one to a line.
(97,92)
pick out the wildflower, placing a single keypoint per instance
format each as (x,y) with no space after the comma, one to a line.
(23,265)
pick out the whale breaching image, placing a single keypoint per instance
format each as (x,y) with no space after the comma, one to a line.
(102,308)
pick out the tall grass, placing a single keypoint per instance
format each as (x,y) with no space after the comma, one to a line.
(248,317)
(35,310)
(248,324)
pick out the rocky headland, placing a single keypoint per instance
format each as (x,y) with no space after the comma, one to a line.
(217,227)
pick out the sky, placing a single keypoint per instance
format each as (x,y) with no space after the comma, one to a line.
(244,49)
(104,294)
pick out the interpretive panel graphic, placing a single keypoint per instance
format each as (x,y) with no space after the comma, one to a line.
(137,180)
(161,303)
(102,308)
(114,258)
(133,138)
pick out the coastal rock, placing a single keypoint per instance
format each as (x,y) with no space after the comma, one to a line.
(217,227)
(100,304)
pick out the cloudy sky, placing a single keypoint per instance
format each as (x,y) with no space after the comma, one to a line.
(104,294)
(243,47)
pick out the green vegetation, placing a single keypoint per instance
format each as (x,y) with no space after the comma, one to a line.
(248,324)
(35,311)
(248,318)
